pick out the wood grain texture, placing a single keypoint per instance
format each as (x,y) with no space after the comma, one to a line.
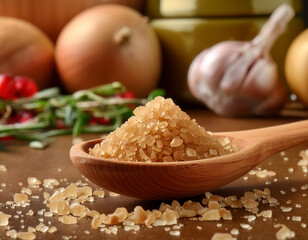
(22,162)
(52,15)
(190,178)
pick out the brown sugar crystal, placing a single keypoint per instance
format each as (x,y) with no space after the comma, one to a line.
(161,132)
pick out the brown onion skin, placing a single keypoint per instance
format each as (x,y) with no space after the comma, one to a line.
(88,55)
(26,50)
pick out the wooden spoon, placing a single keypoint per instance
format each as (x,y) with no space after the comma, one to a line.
(172,180)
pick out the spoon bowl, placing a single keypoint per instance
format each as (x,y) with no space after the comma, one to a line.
(174,180)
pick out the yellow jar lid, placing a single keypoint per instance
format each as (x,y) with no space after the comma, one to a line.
(215,8)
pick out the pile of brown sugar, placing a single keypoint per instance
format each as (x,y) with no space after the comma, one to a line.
(161,132)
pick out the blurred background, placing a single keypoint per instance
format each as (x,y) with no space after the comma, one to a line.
(76,45)
(184,28)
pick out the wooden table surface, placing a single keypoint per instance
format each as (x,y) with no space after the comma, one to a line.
(288,187)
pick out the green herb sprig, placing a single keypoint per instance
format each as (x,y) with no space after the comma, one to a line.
(74,111)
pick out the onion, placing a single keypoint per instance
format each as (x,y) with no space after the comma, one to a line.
(52,15)
(25,50)
(109,43)
(296,66)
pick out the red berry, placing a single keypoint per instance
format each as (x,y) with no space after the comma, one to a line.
(25,116)
(100,121)
(6,138)
(128,95)
(60,124)
(14,119)
(25,87)
(21,116)
(7,86)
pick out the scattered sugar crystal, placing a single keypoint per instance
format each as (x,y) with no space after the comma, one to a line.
(167,229)
(283,192)
(286,209)
(84,191)
(99,193)
(11,234)
(27,191)
(246,226)
(199,227)
(210,215)
(303,225)
(176,227)
(48,214)
(159,222)
(52,229)
(20,197)
(92,213)
(222,236)
(304,187)
(78,210)
(265,214)
(50,183)
(59,207)
(284,233)
(41,212)
(4,219)
(42,228)
(251,218)
(26,235)
(235,231)
(68,219)
(70,191)
(3,168)
(31,229)
(296,218)
(286,159)
(170,217)
(293,189)
(175,233)
(57,195)
(113,194)
(262,173)
(33,181)
(297,205)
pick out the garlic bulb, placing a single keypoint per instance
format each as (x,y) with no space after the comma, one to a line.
(240,78)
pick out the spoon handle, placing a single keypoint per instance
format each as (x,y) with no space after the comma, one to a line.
(276,138)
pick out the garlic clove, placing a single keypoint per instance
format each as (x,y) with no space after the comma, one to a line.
(274,101)
(236,72)
(214,64)
(260,80)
